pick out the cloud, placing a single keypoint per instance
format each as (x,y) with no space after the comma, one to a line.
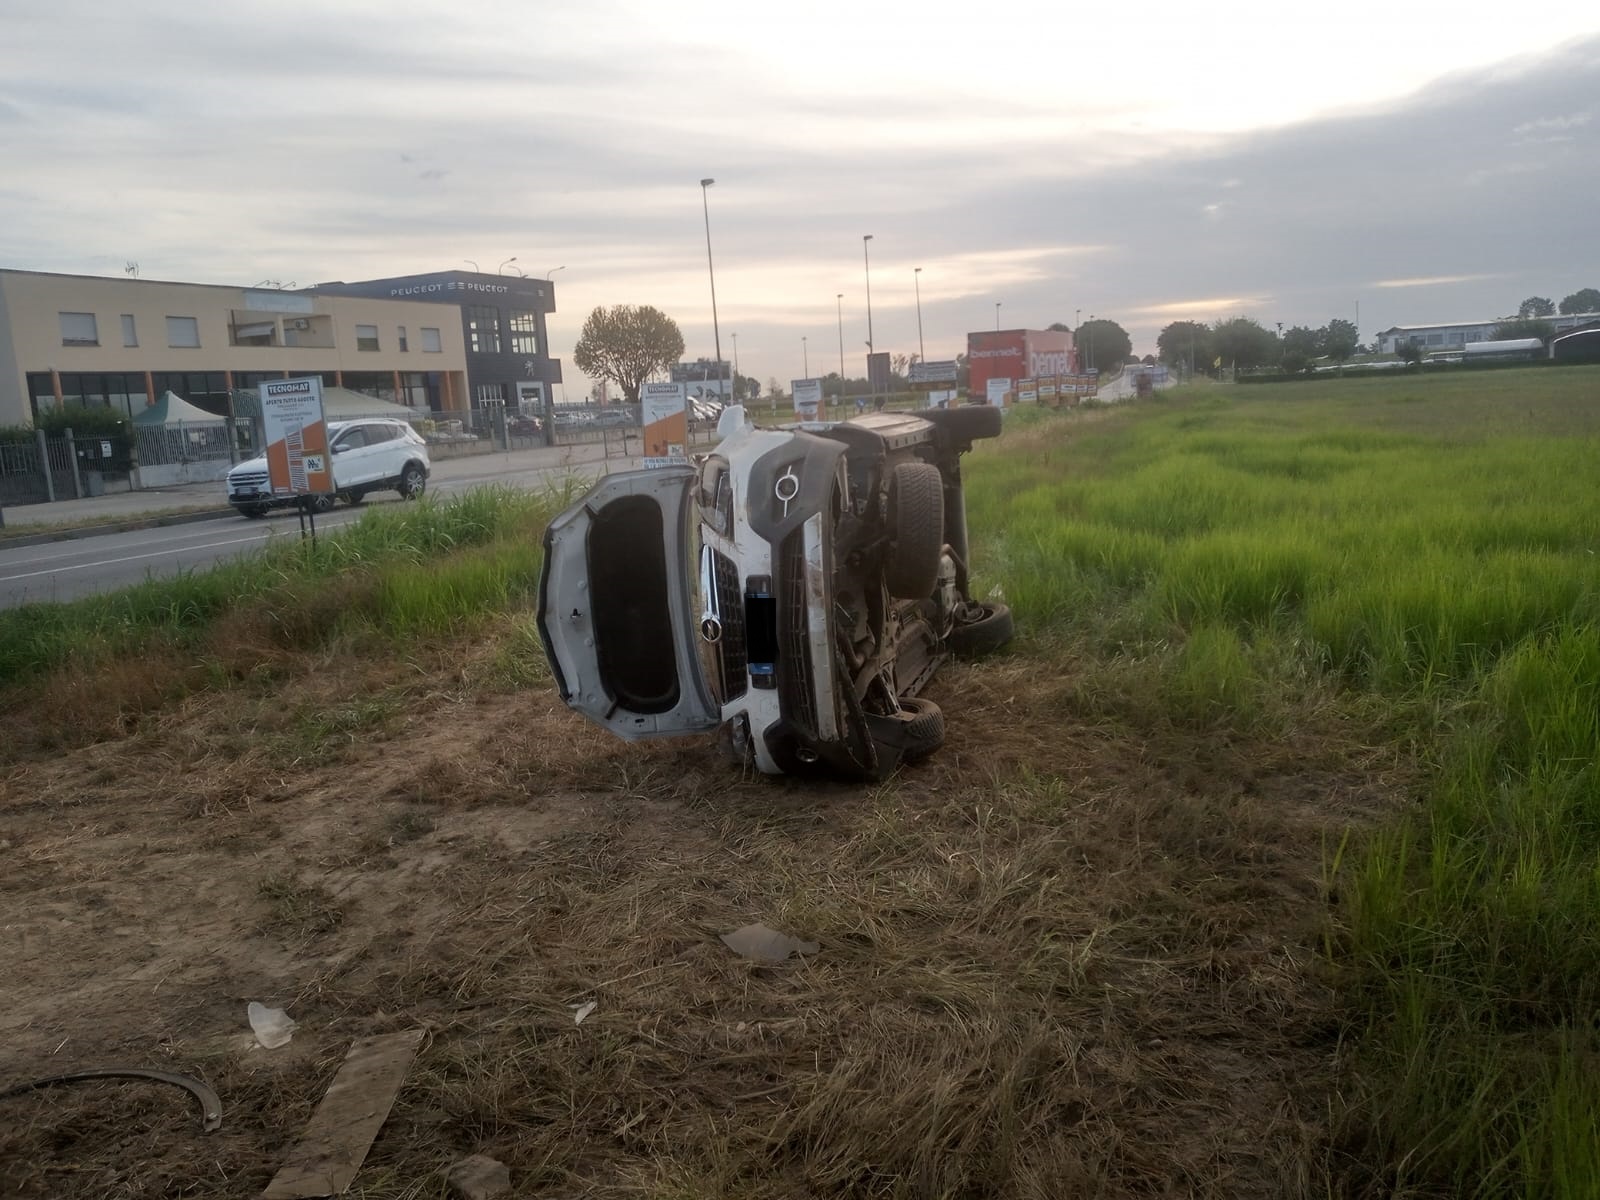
(1430,281)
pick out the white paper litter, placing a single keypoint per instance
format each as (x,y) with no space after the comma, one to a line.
(272,1026)
(766,945)
(581,1011)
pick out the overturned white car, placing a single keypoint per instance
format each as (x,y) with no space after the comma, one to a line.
(797,588)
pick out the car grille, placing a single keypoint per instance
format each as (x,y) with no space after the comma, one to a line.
(733,654)
(794,644)
(244,479)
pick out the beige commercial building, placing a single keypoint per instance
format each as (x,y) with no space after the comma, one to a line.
(91,341)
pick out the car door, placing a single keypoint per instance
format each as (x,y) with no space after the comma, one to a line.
(352,457)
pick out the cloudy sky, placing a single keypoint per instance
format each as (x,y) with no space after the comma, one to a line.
(1411,162)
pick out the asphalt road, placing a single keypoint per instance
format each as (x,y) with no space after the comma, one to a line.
(67,570)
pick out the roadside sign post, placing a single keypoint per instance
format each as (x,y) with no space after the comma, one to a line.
(666,424)
(299,460)
(807,398)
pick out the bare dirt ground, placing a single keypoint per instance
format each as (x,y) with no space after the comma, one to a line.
(1068,956)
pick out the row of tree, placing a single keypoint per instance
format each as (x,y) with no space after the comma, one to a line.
(1584,300)
(1241,342)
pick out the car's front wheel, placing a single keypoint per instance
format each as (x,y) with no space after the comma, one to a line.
(981,629)
(916,525)
(353,496)
(412,483)
(254,511)
(323,502)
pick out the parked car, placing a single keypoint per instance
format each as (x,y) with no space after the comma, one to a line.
(370,455)
(796,588)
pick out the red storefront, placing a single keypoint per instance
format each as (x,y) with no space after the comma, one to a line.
(1017,354)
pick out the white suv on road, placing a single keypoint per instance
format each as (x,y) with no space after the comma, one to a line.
(371,455)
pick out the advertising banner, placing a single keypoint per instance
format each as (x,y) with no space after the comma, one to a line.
(999,392)
(1048,387)
(807,398)
(941,397)
(298,462)
(666,424)
(1027,390)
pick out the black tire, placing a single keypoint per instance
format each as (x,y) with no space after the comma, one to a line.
(969,422)
(984,635)
(353,497)
(916,525)
(924,728)
(412,482)
(254,511)
(322,502)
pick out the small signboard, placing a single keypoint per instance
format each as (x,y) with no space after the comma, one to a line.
(807,398)
(942,371)
(298,460)
(1048,388)
(666,424)
(941,397)
(999,392)
(1027,390)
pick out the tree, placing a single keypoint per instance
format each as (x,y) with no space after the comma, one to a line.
(1102,343)
(1185,342)
(1301,346)
(1409,352)
(1584,300)
(746,388)
(1339,339)
(1536,306)
(627,344)
(1508,331)
(1242,342)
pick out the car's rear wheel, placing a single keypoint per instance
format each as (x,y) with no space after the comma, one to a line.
(916,525)
(968,422)
(353,496)
(412,482)
(323,502)
(987,628)
(924,728)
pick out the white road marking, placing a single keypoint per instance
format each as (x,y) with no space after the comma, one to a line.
(107,562)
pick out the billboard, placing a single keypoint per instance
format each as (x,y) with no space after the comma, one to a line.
(998,392)
(666,424)
(705,378)
(934,372)
(298,462)
(879,376)
(807,398)
(1027,390)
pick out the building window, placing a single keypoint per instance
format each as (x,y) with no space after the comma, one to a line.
(483,329)
(524,333)
(430,341)
(130,335)
(256,333)
(404,346)
(491,393)
(78,329)
(366,337)
(183,333)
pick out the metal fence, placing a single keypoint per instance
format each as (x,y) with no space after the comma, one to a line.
(190,451)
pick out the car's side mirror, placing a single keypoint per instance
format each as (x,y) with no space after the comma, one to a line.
(340,448)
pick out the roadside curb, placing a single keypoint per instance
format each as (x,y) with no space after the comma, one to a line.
(85,531)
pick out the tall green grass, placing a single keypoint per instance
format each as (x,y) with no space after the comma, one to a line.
(423,568)
(1432,545)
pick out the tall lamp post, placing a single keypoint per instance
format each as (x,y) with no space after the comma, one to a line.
(551,272)
(501,269)
(997,304)
(838,303)
(865,258)
(805,356)
(716,331)
(916,278)
(736,368)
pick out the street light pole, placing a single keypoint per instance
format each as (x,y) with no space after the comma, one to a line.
(805,356)
(922,350)
(551,272)
(838,303)
(997,304)
(865,258)
(716,330)
(736,368)
(501,269)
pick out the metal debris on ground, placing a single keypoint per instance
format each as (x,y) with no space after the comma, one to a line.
(357,1103)
(766,945)
(479,1177)
(272,1026)
(210,1104)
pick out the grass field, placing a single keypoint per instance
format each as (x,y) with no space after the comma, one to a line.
(1263,866)
(1430,547)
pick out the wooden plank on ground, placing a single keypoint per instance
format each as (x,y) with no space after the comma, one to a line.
(356,1104)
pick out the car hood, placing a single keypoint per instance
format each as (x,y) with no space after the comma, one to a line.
(617,609)
(258,463)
